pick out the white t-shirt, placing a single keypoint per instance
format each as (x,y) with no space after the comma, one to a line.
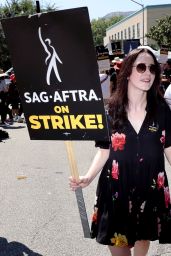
(105,85)
(167,95)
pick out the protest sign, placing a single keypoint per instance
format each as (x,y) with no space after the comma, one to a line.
(57,75)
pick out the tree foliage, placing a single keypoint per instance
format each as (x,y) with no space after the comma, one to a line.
(99,27)
(4,53)
(161,33)
(13,8)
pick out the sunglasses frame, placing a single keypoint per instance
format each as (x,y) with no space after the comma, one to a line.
(140,70)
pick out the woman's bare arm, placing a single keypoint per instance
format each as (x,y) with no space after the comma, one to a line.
(96,166)
(167,152)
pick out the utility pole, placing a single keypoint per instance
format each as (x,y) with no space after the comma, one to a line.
(37,6)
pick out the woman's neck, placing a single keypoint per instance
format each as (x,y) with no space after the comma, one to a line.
(137,101)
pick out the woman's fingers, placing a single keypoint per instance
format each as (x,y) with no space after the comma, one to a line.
(74,184)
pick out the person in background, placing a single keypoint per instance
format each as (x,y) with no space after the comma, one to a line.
(167,69)
(4,109)
(132,204)
(166,75)
(167,95)
(104,80)
(114,75)
(13,99)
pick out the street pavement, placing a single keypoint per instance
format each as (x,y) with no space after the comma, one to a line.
(38,212)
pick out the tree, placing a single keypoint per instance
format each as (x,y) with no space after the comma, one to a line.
(5,61)
(99,27)
(161,33)
(14,8)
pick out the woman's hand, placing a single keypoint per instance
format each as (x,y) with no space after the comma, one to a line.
(83,182)
(96,166)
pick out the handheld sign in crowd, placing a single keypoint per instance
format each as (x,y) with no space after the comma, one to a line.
(56,69)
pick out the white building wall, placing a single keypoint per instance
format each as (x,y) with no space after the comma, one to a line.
(151,14)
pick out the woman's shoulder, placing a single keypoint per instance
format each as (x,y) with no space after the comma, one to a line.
(163,105)
(163,110)
(158,104)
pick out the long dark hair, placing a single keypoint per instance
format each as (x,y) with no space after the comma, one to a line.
(119,99)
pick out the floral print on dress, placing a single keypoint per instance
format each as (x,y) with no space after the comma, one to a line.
(94,217)
(153,186)
(134,202)
(115,170)
(118,141)
(158,226)
(167,196)
(160,180)
(119,240)
(162,138)
(142,206)
(115,196)
(130,206)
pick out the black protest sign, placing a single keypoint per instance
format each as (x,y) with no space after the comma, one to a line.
(57,75)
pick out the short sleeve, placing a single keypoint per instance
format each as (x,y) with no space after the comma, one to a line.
(102,144)
(167,127)
(106,143)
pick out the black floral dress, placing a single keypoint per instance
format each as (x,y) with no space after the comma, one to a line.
(132,199)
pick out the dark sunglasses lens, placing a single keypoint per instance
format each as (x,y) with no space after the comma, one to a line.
(153,69)
(141,68)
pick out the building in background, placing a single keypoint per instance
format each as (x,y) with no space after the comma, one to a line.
(133,26)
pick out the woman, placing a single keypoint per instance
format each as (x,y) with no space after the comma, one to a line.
(133,203)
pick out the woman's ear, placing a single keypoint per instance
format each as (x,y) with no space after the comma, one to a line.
(128,78)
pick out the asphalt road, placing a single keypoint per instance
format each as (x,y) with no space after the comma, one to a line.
(38,212)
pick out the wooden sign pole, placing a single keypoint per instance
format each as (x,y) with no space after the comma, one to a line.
(78,192)
(72,160)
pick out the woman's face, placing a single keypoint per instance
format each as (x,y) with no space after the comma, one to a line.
(141,77)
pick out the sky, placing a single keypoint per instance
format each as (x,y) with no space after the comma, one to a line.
(99,8)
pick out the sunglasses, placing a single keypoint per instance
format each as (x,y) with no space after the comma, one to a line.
(141,68)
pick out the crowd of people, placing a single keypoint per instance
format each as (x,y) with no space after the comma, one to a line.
(10,104)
